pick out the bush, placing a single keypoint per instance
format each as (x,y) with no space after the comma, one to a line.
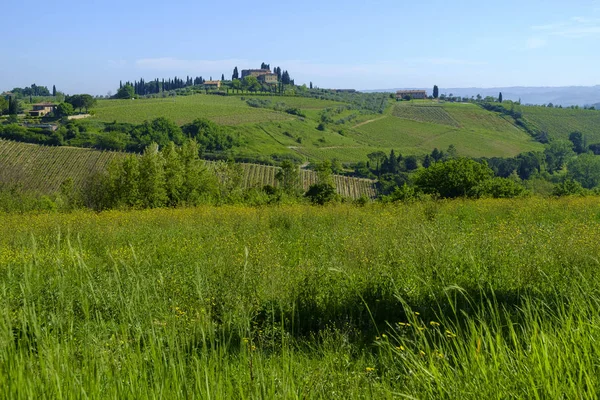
(499,188)
(321,193)
(454,178)
(568,187)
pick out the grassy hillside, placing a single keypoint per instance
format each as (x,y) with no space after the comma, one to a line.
(44,169)
(421,126)
(560,122)
(410,128)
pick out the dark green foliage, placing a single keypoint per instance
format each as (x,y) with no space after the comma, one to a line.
(558,153)
(321,193)
(454,178)
(3,106)
(125,92)
(499,188)
(436,92)
(568,187)
(236,74)
(209,135)
(64,110)
(578,140)
(160,130)
(585,169)
(500,97)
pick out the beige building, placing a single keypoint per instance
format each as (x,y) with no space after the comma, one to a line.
(255,72)
(414,94)
(213,84)
(268,78)
(41,109)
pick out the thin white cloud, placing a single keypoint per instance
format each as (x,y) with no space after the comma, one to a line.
(574,28)
(536,43)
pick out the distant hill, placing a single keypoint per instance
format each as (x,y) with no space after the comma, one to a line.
(349,135)
(565,96)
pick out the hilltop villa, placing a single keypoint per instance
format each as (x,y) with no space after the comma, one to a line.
(263,75)
(414,94)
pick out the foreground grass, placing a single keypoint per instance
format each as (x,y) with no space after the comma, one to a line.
(486,299)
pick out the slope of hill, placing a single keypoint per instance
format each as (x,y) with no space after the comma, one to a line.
(43,169)
(560,122)
(349,135)
(421,126)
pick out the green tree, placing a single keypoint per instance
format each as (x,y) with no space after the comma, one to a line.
(236,84)
(377,158)
(152,178)
(125,92)
(174,174)
(436,92)
(453,178)
(500,97)
(568,187)
(3,106)
(579,142)
(251,84)
(235,74)
(87,102)
(289,178)
(53,90)
(558,153)
(585,169)
(64,110)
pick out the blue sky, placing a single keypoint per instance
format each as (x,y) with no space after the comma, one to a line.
(88,46)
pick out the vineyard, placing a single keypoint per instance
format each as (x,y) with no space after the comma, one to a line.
(559,123)
(422,113)
(44,169)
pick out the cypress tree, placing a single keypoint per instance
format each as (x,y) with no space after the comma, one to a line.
(235,74)
(53,90)
(500,98)
(436,92)
(222,77)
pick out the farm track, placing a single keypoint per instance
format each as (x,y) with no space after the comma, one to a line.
(44,168)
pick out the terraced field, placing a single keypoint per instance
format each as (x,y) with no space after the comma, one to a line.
(44,169)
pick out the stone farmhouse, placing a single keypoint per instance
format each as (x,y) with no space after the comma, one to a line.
(41,109)
(263,75)
(414,94)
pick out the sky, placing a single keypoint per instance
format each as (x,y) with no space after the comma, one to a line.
(89,46)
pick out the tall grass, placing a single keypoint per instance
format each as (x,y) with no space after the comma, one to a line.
(486,299)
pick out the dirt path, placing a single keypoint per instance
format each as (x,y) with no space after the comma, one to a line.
(368,122)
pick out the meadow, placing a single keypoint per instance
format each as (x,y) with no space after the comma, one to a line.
(469,299)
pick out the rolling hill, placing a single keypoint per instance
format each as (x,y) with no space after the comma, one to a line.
(350,134)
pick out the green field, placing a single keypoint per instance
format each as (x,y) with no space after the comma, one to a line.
(410,128)
(473,300)
(43,169)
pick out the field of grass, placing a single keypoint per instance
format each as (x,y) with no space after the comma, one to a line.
(43,169)
(184,109)
(485,299)
(560,123)
(224,110)
(412,137)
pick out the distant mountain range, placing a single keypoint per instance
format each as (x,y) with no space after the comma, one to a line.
(564,96)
